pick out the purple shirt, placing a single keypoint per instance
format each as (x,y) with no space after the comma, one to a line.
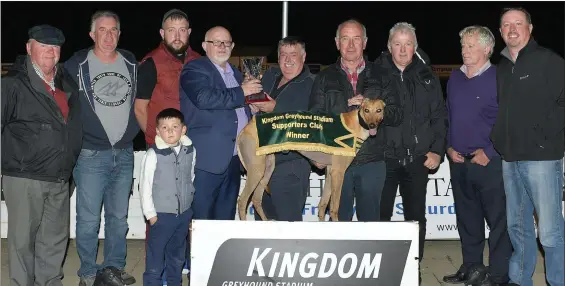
(231,82)
(472,108)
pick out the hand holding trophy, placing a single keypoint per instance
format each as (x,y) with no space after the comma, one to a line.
(252,68)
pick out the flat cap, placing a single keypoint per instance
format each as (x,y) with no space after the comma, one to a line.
(174,12)
(46,34)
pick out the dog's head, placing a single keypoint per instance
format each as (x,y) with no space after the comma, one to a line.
(371,114)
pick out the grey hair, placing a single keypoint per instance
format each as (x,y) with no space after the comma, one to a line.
(486,37)
(351,21)
(291,41)
(402,27)
(102,14)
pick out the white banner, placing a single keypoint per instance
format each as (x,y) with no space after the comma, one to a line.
(440,210)
(236,253)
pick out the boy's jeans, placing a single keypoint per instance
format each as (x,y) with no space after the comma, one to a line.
(166,249)
(102,177)
(529,186)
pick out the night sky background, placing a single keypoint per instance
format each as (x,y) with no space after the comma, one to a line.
(260,24)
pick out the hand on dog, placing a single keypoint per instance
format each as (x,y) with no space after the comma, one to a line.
(433,160)
(455,156)
(266,106)
(153,220)
(356,100)
(251,86)
(480,157)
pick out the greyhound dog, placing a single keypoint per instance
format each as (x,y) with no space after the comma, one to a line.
(362,123)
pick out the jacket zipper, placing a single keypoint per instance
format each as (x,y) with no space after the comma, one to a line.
(413,103)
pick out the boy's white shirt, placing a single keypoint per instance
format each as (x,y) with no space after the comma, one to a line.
(148,166)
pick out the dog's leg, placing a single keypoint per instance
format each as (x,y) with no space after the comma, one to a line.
(260,189)
(326,195)
(339,166)
(255,169)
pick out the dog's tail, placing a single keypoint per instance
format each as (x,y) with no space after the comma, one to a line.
(239,151)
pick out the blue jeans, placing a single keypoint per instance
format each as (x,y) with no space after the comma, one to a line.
(365,183)
(102,177)
(529,186)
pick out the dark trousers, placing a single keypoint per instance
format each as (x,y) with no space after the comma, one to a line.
(478,193)
(364,183)
(38,230)
(413,181)
(215,195)
(167,245)
(288,186)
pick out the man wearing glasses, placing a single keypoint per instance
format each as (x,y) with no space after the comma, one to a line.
(212,99)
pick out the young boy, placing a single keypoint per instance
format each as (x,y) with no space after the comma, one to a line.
(166,192)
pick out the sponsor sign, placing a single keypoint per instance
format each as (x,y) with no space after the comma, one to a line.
(237,253)
(444,71)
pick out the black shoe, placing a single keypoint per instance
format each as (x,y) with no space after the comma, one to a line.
(477,275)
(109,276)
(127,278)
(487,282)
(457,278)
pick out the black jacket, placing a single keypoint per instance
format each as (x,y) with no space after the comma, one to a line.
(36,141)
(424,126)
(331,91)
(293,97)
(530,120)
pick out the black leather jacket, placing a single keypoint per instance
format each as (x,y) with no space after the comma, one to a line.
(330,93)
(37,143)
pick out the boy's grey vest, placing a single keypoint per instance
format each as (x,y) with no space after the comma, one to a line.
(173,190)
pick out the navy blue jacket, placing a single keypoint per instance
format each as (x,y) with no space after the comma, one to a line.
(294,97)
(95,137)
(209,113)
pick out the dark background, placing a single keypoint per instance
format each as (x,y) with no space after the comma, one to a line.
(260,24)
(255,24)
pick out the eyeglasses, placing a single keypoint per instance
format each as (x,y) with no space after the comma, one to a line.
(227,44)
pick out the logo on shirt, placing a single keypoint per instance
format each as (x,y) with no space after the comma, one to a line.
(111,88)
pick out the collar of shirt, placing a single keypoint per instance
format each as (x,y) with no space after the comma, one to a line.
(359,69)
(40,74)
(227,71)
(479,72)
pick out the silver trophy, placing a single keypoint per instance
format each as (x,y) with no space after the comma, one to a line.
(253,68)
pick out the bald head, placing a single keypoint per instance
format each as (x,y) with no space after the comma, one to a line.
(218,45)
(215,31)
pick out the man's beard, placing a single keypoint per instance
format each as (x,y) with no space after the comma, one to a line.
(178,51)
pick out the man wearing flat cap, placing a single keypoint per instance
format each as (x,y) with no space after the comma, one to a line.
(41,140)
(107,82)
